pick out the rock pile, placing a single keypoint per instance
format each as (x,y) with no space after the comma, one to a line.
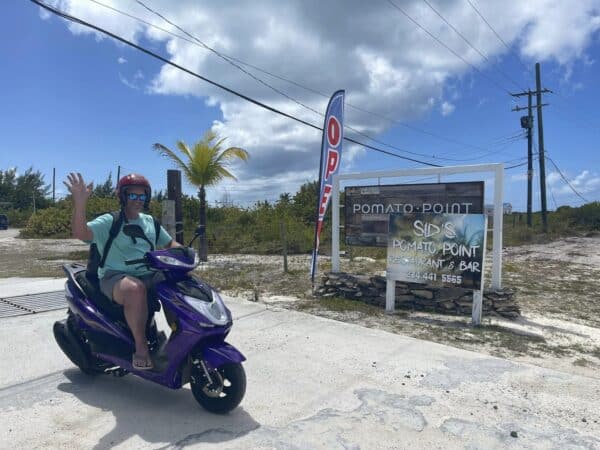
(454,300)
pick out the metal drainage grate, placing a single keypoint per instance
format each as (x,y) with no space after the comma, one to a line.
(31,304)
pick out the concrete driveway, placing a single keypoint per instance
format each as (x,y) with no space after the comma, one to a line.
(312,383)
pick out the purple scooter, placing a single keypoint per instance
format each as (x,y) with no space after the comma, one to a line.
(96,338)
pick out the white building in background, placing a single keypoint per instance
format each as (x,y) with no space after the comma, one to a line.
(489,209)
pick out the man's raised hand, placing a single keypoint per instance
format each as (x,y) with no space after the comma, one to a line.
(77,187)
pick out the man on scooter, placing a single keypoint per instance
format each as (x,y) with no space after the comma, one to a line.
(126,285)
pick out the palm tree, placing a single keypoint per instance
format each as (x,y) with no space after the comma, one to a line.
(204,165)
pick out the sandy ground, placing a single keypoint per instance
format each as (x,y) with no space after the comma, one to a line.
(557,287)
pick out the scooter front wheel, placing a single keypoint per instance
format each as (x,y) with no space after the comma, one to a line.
(223,391)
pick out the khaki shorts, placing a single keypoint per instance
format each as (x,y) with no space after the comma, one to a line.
(112,277)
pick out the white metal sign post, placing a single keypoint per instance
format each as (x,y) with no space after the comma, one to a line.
(497,169)
(478,293)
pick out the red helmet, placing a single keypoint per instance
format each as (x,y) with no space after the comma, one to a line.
(133,179)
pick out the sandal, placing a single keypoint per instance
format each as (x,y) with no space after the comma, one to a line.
(141,363)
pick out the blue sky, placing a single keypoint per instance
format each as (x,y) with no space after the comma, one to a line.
(72,100)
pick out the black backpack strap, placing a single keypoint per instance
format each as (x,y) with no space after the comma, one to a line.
(118,219)
(156,230)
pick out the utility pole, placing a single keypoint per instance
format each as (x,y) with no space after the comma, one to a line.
(118,173)
(527,123)
(174,193)
(54,185)
(529,161)
(538,84)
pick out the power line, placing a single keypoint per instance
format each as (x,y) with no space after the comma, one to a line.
(565,179)
(225,58)
(561,174)
(469,43)
(519,165)
(237,66)
(495,83)
(553,199)
(82,22)
(229,59)
(497,35)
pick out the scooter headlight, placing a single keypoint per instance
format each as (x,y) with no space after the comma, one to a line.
(215,310)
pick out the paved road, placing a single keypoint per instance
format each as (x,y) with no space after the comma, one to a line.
(312,383)
(11,233)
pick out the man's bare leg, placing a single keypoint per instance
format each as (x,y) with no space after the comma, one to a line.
(131,293)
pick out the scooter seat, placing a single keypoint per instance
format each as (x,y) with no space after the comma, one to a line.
(91,288)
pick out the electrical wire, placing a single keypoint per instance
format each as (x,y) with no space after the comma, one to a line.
(469,42)
(516,165)
(553,199)
(229,59)
(527,69)
(237,66)
(279,77)
(82,22)
(566,180)
(225,58)
(495,83)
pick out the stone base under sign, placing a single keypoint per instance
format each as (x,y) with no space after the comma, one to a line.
(452,300)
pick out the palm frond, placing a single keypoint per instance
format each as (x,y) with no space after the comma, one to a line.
(226,173)
(206,163)
(170,154)
(209,136)
(217,146)
(233,153)
(183,148)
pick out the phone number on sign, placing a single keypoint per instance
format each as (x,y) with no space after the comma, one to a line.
(446,278)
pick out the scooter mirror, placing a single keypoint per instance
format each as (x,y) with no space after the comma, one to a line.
(200,230)
(134,231)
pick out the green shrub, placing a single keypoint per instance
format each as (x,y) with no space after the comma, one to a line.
(51,222)
(587,216)
(17,218)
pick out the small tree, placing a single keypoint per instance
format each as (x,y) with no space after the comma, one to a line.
(204,165)
(106,189)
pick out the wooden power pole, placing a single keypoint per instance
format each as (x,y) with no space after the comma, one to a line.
(542,158)
(527,123)
(174,193)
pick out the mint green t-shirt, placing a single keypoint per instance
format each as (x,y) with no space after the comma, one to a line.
(122,247)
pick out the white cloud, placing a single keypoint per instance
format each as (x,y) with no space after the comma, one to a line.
(382,60)
(127,83)
(447,108)
(44,14)
(121,60)
(584,183)
(557,29)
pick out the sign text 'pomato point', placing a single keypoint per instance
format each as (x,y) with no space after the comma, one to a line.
(367,208)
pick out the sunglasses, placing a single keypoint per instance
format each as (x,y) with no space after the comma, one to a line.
(140,197)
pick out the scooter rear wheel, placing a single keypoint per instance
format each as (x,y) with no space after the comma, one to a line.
(226,390)
(72,347)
